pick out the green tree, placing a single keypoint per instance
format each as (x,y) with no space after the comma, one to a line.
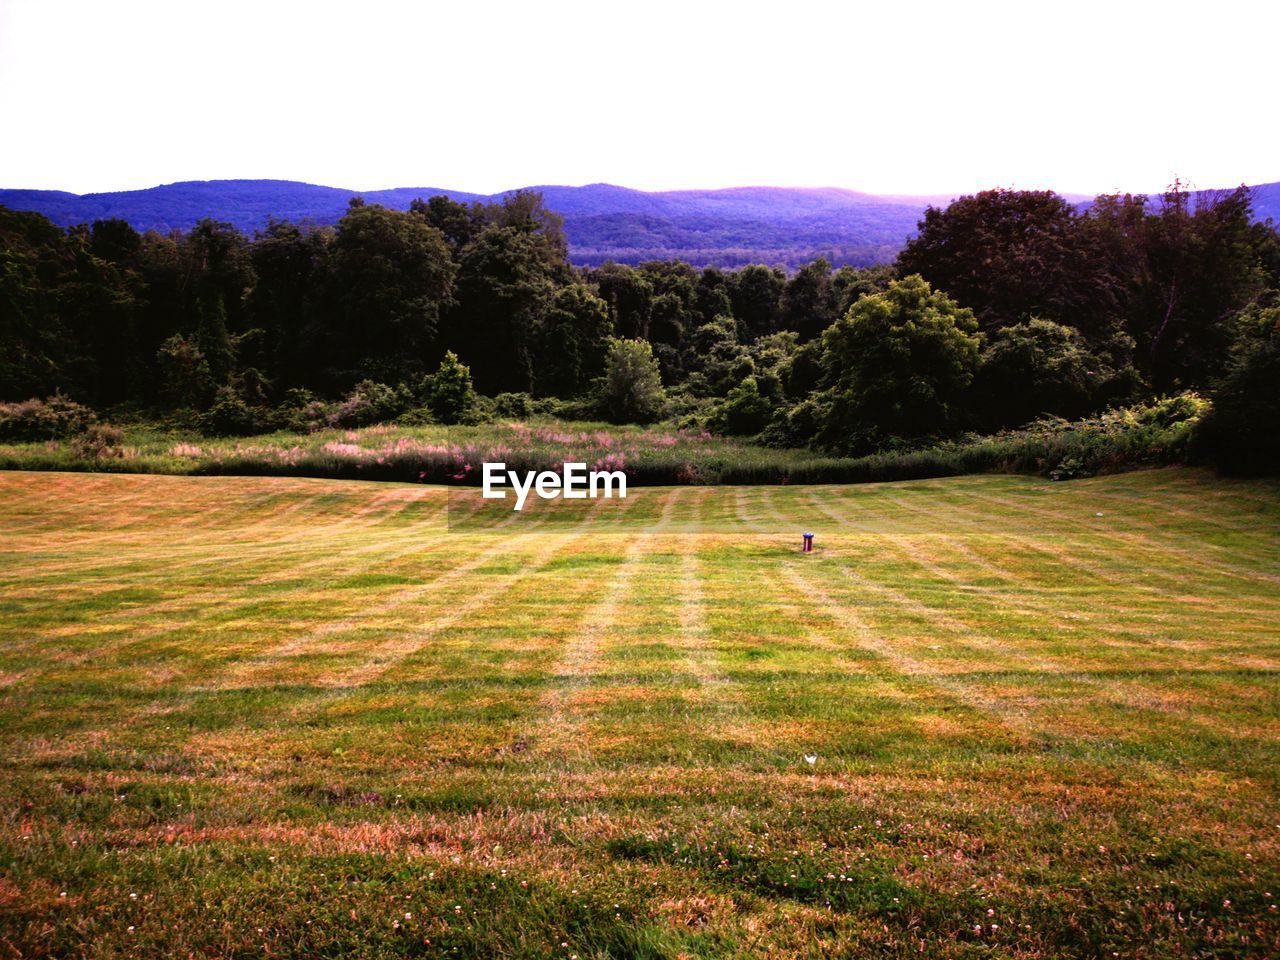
(632,388)
(1186,267)
(390,275)
(572,339)
(505,285)
(673,314)
(67,316)
(36,344)
(213,340)
(898,364)
(720,360)
(525,211)
(457,223)
(1241,434)
(711,296)
(850,283)
(756,293)
(1041,367)
(1013,254)
(629,295)
(290,265)
(184,372)
(745,410)
(809,300)
(452,396)
(218,265)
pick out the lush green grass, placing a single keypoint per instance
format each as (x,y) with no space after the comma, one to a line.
(285,717)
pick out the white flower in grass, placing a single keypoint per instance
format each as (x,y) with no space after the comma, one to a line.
(811,758)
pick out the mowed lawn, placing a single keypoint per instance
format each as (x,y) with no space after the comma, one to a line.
(990,716)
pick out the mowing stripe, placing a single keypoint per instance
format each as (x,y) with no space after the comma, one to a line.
(896,664)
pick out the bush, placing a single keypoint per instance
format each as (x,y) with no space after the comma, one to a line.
(370,402)
(301,412)
(52,419)
(1150,434)
(230,416)
(513,406)
(744,411)
(99,442)
(632,386)
(480,409)
(450,394)
(574,408)
(417,417)
(1170,411)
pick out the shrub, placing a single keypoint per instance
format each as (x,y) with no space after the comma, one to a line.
(451,396)
(100,441)
(744,411)
(575,408)
(51,419)
(230,416)
(480,409)
(513,406)
(1125,439)
(417,417)
(1171,411)
(370,402)
(301,412)
(632,387)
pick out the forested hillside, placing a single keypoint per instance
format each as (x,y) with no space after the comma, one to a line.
(1007,306)
(722,228)
(725,228)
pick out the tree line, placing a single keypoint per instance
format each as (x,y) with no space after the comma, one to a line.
(1006,306)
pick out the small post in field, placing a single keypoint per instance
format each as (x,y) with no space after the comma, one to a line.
(808,543)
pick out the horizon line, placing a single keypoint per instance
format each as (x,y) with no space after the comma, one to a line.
(604,183)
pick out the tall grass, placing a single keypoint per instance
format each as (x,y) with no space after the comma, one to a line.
(1149,435)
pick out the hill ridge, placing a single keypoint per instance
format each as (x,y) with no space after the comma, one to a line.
(725,227)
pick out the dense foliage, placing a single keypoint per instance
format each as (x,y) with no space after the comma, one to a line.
(899,365)
(1242,433)
(1007,306)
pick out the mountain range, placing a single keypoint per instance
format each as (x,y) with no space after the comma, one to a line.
(780,226)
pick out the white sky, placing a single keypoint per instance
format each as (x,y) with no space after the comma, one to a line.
(479,95)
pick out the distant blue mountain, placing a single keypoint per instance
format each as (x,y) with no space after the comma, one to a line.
(729,228)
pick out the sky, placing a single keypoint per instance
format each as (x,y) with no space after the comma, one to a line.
(486,95)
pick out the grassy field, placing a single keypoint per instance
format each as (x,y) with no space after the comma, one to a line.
(990,716)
